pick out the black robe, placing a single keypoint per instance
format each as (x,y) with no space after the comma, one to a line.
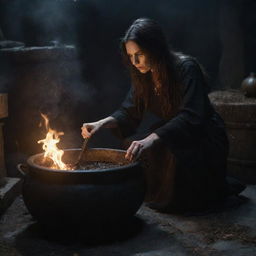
(196,137)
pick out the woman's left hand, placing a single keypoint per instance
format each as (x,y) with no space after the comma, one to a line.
(137,147)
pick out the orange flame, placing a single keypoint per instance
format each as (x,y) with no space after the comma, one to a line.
(50,146)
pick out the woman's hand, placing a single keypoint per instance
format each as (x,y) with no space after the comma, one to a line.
(88,129)
(138,147)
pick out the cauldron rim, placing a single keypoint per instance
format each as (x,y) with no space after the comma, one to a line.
(30,162)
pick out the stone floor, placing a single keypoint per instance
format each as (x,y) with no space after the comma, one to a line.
(230,230)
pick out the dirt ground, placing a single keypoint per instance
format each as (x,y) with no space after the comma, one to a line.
(230,229)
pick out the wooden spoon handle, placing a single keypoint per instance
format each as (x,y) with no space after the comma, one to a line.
(83,149)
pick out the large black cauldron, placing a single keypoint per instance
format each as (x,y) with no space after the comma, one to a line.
(84,197)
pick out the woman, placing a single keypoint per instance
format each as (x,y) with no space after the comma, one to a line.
(186,151)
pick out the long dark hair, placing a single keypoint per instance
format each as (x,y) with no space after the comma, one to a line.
(148,35)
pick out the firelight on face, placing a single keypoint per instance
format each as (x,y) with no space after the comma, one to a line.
(137,57)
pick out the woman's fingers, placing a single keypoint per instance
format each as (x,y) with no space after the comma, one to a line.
(86,131)
(136,152)
(133,152)
(85,134)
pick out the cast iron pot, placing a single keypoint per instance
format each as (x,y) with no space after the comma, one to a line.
(83,197)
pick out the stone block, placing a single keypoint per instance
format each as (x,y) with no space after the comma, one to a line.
(8,192)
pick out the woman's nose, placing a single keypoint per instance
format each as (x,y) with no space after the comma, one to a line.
(135,60)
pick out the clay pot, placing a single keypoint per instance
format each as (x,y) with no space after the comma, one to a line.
(249,86)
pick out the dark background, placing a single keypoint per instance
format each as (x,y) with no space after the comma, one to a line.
(220,34)
(95,26)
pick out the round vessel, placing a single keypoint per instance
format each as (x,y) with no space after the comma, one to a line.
(84,197)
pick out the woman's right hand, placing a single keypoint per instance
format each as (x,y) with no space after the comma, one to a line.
(88,129)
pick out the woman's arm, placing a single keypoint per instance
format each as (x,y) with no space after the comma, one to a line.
(129,115)
(108,122)
(88,129)
(187,126)
(185,129)
(127,118)
(137,147)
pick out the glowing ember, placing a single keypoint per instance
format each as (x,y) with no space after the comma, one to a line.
(50,147)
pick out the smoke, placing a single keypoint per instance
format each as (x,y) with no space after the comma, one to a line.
(38,22)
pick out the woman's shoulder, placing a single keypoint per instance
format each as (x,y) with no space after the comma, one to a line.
(184,61)
(188,64)
(188,67)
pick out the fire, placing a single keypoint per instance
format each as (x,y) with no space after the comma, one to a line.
(50,146)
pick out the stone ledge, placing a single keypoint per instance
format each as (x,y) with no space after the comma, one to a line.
(8,192)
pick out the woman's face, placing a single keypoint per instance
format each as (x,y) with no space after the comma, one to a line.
(137,57)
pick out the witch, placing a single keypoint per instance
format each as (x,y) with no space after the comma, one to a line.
(185,150)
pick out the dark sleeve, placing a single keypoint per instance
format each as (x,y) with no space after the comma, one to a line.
(185,128)
(128,115)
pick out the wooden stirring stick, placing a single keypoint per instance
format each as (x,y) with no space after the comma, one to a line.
(83,149)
